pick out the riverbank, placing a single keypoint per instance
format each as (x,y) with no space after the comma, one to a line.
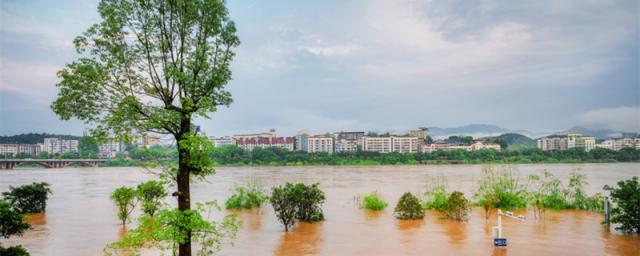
(138,163)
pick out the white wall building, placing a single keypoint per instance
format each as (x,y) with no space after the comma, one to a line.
(222,141)
(388,144)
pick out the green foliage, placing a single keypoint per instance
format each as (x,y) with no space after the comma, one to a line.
(88,147)
(372,201)
(297,201)
(500,189)
(151,194)
(13,251)
(199,149)
(409,207)
(125,200)
(626,210)
(456,207)
(310,199)
(246,197)
(436,195)
(11,221)
(169,228)
(284,202)
(33,138)
(28,198)
(549,193)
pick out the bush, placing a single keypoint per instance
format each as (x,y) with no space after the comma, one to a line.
(13,251)
(297,201)
(28,198)
(409,207)
(436,195)
(456,207)
(284,202)
(246,197)
(500,190)
(125,200)
(374,202)
(309,203)
(11,221)
(151,194)
(626,211)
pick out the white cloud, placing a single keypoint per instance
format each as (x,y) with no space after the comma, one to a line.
(328,51)
(29,79)
(620,119)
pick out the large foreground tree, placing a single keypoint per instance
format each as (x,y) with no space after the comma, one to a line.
(153,66)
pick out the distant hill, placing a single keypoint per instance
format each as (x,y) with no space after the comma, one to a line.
(517,141)
(602,133)
(33,138)
(475,130)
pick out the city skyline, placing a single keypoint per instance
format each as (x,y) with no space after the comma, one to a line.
(375,65)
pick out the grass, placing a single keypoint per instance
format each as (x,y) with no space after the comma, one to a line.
(373,202)
(250,195)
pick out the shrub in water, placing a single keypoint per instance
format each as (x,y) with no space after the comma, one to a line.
(28,198)
(125,200)
(13,251)
(436,195)
(11,223)
(626,212)
(456,207)
(310,201)
(297,201)
(578,199)
(246,197)
(151,194)
(500,190)
(409,207)
(284,202)
(373,202)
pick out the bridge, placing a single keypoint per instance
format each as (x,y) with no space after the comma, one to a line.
(49,163)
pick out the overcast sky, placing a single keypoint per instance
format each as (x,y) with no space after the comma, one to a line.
(372,65)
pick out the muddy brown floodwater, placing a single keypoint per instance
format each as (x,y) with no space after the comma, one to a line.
(81,220)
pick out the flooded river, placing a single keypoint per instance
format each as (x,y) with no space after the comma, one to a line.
(81,220)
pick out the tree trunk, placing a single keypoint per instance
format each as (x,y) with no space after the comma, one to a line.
(184,196)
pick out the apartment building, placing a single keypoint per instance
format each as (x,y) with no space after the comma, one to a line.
(388,144)
(111,148)
(348,141)
(249,144)
(618,144)
(14,149)
(59,146)
(566,141)
(222,141)
(312,144)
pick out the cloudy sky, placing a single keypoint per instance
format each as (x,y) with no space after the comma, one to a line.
(372,65)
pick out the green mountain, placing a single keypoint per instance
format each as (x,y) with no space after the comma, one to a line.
(513,141)
(33,138)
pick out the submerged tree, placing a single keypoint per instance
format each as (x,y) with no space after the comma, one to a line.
(626,212)
(125,200)
(151,194)
(153,66)
(31,198)
(11,223)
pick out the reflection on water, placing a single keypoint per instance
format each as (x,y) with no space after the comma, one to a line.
(81,219)
(304,239)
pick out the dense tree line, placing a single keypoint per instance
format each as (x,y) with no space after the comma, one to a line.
(33,138)
(231,155)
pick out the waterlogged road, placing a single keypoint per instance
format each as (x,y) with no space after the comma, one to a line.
(81,220)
